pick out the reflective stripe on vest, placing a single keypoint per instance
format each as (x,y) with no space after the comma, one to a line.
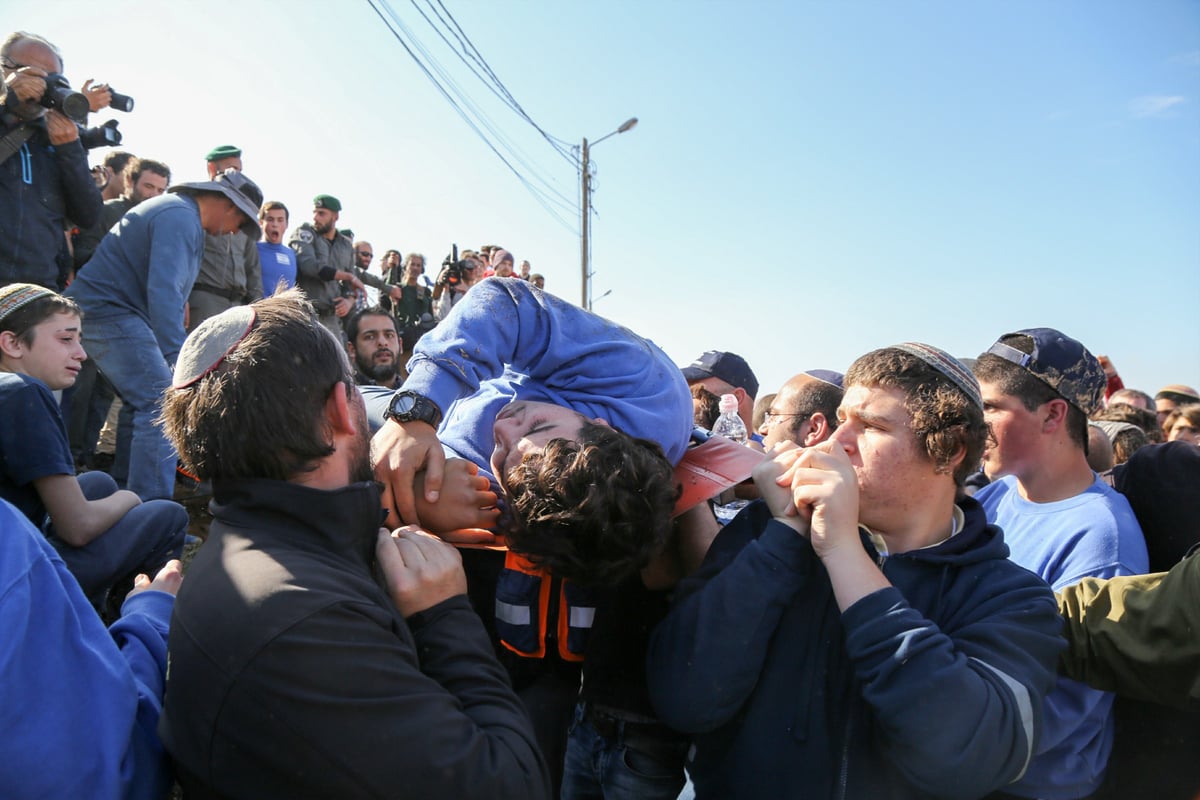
(523,606)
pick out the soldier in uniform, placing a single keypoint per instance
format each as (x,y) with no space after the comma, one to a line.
(324,257)
(231,273)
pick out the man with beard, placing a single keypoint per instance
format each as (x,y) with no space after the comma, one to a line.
(324,257)
(374,348)
(294,673)
(144,179)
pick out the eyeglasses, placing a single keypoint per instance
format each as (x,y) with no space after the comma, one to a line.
(773,417)
(365,253)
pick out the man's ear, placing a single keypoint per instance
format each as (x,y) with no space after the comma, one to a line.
(338,411)
(10,345)
(601,421)
(818,431)
(1054,415)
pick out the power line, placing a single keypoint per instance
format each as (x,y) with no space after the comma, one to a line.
(559,145)
(483,119)
(548,197)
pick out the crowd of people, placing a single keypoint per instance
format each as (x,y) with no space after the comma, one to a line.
(450,553)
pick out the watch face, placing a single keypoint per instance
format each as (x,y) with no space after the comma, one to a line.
(403,403)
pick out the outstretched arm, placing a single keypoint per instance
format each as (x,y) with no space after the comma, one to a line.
(1137,634)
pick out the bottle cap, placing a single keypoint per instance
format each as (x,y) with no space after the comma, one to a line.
(728,403)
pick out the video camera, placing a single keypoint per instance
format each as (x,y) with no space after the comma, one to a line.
(452,272)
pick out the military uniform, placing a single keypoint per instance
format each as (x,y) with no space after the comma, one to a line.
(317,261)
(230,275)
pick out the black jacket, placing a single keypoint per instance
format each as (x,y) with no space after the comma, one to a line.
(41,188)
(292,674)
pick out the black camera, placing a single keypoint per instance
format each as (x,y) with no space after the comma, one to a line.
(452,269)
(121,102)
(61,97)
(105,135)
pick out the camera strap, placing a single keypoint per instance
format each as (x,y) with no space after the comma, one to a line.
(11,142)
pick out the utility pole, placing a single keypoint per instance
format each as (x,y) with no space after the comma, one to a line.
(585,209)
(585,212)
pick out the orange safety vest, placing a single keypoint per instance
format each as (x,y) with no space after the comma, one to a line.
(523,596)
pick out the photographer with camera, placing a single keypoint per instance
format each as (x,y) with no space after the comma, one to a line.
(457,276)
(44,175)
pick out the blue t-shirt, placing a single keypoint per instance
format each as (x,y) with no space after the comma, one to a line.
(1093,534)
(278,264)
(33,442)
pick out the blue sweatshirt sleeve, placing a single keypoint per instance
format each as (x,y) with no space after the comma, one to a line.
(176,247)
(577,359)
(705,657)
(81,703)
(959,712)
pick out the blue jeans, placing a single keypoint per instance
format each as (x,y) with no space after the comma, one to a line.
(629,766)
(143,540)
(127,353)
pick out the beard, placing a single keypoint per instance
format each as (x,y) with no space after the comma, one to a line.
(380,372)
(360,455)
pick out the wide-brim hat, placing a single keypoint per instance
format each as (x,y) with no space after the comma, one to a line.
(243,192)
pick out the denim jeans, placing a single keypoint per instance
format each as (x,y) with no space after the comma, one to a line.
(147,537)
(127,352)
(628,766)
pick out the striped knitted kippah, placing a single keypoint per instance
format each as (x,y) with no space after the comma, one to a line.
(18,295)
(946,364)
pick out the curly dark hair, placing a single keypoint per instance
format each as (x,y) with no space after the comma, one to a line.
(944,419)
(594,510)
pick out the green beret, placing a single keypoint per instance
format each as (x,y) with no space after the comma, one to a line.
(224,151)
(327,201)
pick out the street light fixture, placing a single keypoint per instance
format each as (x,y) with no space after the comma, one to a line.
(585,211)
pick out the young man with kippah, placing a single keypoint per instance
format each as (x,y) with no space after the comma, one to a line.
(1061,521)
(102,533)
(860,632)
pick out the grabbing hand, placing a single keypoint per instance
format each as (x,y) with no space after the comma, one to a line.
(61,129)
(341,306)
(399,452)
(167,580)
(825,489)
(27,83)
(466,501)
(419,569)
(99,95)
(776,494)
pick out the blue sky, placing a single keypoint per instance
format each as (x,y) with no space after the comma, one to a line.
(808,180)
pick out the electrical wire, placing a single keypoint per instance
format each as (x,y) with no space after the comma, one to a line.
(481,117)
(562,147)
(553,201)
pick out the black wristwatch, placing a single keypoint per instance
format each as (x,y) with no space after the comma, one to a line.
(410,406)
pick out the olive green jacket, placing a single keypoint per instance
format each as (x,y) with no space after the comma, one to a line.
(1137,635)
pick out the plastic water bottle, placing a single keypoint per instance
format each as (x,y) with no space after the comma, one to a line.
(729,424)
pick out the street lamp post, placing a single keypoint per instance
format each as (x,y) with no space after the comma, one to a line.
(585,210)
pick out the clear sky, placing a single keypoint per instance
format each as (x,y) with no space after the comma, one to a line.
(808,181)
